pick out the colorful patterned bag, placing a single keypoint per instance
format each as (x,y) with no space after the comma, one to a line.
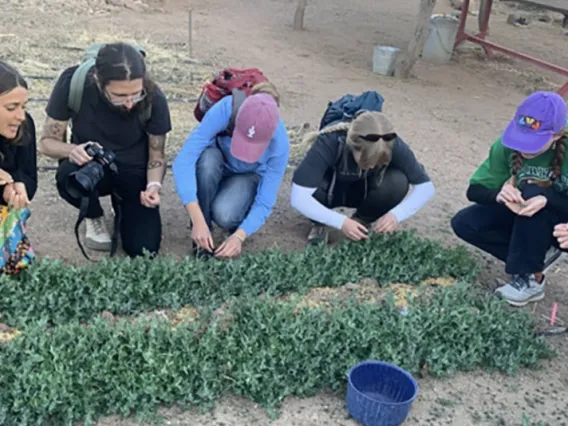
(17,252)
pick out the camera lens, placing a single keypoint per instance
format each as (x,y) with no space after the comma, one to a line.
(83,182)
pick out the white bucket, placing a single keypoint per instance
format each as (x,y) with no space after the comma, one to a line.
(384,59)
(442,33)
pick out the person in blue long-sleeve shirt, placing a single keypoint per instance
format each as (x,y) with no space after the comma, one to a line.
(232,181)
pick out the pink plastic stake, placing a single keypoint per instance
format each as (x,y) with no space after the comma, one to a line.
(553,314)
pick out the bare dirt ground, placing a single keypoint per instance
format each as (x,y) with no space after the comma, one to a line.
(449,114)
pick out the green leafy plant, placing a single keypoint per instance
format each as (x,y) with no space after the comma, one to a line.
(56,293)
(268,350)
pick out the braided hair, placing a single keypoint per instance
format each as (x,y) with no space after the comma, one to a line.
(555,165)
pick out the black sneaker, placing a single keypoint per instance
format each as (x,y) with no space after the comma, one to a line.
(552,256)
(200,253)
(319,234)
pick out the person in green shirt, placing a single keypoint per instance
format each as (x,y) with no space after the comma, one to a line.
(520,194)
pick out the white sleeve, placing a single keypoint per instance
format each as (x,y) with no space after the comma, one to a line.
(417,199)
(301,198)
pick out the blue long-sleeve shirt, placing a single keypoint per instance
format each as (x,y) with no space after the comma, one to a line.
(270,167)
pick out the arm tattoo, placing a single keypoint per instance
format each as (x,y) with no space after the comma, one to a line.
(155,164)
(157,142)
(53,129)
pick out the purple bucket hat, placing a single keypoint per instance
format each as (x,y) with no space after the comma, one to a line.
(539,117)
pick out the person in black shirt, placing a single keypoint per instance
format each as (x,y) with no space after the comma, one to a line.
(18,169)
(117,91)
(363,165)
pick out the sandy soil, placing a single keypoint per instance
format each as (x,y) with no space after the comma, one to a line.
(449,114)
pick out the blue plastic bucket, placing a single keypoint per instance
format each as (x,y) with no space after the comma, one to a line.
(380,393)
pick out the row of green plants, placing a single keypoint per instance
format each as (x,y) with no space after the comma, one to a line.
(262,349)
(57,294)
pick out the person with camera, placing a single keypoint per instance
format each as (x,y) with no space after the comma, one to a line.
(117,148)
(18,170)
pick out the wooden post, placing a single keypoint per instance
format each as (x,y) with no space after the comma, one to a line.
(414,49)
(299,15)
(190,30)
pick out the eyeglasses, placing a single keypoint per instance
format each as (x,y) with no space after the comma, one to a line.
(124,99)
(389,137)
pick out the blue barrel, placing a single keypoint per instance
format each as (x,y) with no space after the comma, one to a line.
(380,393)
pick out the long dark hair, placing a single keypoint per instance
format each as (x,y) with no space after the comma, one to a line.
(123,62)
(10,79)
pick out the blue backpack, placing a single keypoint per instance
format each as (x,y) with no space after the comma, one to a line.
(348,106)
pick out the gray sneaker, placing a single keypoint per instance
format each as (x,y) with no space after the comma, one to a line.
(522,289)
(97,235)
(318,234)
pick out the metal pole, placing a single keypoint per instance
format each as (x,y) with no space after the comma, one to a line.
(190,26)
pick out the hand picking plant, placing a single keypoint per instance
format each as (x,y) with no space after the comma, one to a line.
(269,349)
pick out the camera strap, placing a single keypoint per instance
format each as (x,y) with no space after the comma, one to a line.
(116,204)
(82,215)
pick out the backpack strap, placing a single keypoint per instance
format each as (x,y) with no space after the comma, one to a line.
(239,97)
(338,155)
(78,84)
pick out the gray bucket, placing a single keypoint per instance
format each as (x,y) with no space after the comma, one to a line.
(384,58)
(442,33)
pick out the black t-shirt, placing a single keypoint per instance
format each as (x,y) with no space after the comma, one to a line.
(98,121)
(325,154)
(20,160)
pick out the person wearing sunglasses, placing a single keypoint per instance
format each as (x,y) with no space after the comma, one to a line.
(116,92)
(364,165)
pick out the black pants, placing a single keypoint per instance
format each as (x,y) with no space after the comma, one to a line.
(519,241)
(370,201)
(140,226)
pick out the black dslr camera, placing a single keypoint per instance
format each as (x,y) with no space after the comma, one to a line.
(83,181)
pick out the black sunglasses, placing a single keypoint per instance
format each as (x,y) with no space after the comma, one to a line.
(389,137)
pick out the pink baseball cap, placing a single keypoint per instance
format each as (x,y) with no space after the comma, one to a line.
(255,125)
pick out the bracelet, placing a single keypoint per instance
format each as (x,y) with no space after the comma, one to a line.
(155,183)
(241,239)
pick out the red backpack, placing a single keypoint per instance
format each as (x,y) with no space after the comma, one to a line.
(230,81)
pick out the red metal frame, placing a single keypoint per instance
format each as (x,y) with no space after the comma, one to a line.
(483,21)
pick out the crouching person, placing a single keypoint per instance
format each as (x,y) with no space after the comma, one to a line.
(362,164)
(18,171)
(119,119)
(520,196)
(231,177)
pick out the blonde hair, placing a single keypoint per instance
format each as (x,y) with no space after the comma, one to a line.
(379,153)
(268,89)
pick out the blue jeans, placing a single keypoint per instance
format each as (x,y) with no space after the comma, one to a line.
(225,197)
(519,241)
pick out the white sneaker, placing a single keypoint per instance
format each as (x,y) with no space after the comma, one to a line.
(98,237)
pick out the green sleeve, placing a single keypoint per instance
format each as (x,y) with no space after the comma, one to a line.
(495,170)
